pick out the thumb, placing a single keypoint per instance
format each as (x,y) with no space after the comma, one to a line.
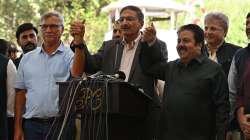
(152,25)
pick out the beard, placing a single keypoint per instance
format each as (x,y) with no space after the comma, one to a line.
(29,47)
(248,33)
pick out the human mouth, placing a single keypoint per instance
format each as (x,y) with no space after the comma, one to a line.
(181,50)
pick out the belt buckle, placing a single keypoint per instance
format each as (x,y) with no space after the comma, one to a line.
(46,120)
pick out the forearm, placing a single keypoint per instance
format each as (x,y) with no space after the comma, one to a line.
(222,104)
(78,63)
(152,61)
(240,114)
(20,101)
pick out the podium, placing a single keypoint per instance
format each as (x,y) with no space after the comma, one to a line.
(108,109)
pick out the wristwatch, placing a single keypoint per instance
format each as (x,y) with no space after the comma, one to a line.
(80,46)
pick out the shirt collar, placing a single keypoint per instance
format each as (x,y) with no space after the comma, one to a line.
(58,50)
(217,47)
(199,59)
(135,42)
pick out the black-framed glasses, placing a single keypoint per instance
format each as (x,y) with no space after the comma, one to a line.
(128,18)
(51,26)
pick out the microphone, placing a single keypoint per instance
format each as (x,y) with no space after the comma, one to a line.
(120,75)
(96,75)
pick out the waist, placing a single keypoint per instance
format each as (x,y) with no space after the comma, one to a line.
(42,120)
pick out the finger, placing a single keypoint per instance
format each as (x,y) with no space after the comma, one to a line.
(152,25)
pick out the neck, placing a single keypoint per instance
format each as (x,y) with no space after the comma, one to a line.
(214,46)
(131,38)
(50,47)
(188,60)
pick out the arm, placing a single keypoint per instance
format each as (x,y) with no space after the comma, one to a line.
(89,63)
(153,60)
(153,56)
(242,105)
(11,77)
(221,103)
(77,31)
(20,101)
(94,62)
(232,80)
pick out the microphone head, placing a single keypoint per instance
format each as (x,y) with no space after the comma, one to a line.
(99,73)
(121,75)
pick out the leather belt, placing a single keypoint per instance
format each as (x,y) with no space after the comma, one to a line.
(43,120)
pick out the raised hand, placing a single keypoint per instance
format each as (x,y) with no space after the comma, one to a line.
(149,34)
(77,30)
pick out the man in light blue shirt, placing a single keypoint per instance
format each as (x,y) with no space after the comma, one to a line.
(39,73)
(36,90)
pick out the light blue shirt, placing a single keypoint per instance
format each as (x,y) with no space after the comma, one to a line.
(38,73)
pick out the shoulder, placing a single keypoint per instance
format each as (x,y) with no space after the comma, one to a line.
(31,53)
(161,42)
(210,64)
(4,58)
(112,42)
(240,52)
(232,46)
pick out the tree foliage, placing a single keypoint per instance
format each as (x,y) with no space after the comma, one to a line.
(236,10)
(15,12)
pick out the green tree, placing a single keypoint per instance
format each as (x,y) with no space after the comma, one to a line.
(14,12)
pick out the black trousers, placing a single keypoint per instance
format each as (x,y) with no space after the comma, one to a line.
(10,128)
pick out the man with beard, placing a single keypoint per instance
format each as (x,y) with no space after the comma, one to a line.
(239,74)
(123,55)
(195,104)
(26,36)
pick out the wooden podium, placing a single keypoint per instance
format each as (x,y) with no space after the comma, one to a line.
(108,109)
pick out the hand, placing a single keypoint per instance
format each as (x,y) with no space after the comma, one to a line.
(18,134)
(77,30)
(228,135)
(149,34)
(245,125)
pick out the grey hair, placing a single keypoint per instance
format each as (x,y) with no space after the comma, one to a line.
(219,16)
(50,14)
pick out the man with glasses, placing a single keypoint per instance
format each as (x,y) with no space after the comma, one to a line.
(218,50)
(123,55)
(37,93)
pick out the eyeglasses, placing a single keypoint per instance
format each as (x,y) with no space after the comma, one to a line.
(129,19)
(51,26)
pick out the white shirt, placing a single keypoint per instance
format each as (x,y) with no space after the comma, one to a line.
(128,57)
(11,78)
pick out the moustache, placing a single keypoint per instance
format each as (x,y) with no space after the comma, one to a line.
(248,30)
(29,44)
(29,47)
(180,48)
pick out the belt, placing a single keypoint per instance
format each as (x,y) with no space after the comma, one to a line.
(42,120)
